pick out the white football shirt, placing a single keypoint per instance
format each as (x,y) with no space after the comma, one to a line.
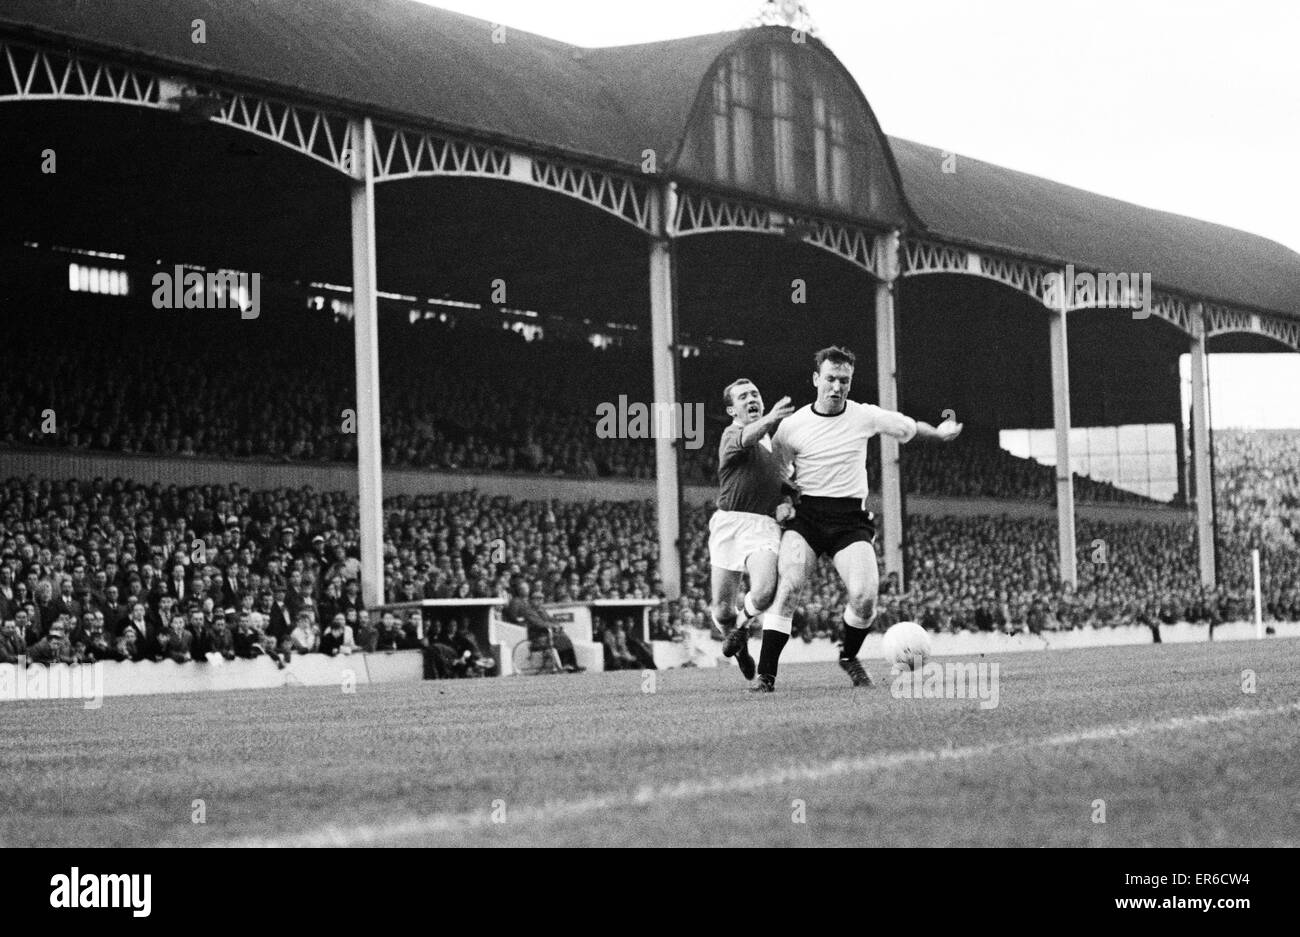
(826,456)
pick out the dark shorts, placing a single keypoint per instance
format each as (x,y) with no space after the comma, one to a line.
(831,524)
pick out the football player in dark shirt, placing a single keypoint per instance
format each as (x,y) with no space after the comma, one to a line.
(744,532)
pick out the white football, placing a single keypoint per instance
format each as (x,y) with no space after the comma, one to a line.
(906,646)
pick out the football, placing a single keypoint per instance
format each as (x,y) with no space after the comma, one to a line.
(906,646)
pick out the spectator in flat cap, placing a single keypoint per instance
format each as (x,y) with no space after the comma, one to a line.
(55,647)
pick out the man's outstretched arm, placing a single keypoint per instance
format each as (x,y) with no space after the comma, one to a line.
(905,429)
(755,430)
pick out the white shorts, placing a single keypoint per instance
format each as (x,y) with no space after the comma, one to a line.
(734,535)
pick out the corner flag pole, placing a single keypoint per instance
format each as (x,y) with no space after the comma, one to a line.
(1259,604)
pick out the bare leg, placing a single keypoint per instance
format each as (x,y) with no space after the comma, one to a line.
(856,565)
(762,567)
(726,590)
(795,565)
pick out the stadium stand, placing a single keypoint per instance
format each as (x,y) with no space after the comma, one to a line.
(205,389)
(132,553)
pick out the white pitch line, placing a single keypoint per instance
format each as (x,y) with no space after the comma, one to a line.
(381,834)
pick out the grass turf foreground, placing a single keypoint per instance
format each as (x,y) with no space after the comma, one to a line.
(1160,742)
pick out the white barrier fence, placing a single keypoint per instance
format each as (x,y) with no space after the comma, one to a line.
(140,678)
(360,670)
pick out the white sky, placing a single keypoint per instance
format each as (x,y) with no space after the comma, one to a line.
(1191,106)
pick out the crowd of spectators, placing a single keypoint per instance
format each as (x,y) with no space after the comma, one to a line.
(1257,485)
(193,386)
(111,569)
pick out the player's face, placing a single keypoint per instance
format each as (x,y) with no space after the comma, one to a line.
(833,382)
(746,404)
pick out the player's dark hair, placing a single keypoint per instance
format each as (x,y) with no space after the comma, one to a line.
(835,354)
(726,391)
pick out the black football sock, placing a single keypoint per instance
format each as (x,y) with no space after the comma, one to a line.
(773,643)
(851,643)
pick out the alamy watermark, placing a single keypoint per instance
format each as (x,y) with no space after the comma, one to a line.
(951,680)
(651,421)
(56,681)
(83,890)
(220,289)
(1087,290)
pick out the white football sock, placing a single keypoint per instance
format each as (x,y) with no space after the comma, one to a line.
(774,622)
(854,620)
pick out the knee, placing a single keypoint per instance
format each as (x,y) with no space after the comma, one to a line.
(762,595)
(863,604)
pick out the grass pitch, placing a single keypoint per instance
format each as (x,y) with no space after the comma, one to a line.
(1159,741)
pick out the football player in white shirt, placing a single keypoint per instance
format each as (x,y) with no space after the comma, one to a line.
(824,445)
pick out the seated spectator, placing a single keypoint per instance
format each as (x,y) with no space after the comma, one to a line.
(617,654)
(564,648)
(444,644)
(246,640)
(391,634)
(641,652)
(13,643)
(129,646)
(337,638)
(176,643)
(364,633)
(137,618)
(25,621)
(467,648)
(519,610)
(305,638)
(54,648)
(413,632)
(219,638)
(93,642)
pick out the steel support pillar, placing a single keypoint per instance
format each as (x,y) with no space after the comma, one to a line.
(891,476)
(1204,492)
(663,341)
(365,308)
(1061,421)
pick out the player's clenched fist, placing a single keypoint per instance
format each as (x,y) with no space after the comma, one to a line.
(948,430)
(784,511)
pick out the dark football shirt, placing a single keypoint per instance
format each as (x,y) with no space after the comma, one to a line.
(749,478)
